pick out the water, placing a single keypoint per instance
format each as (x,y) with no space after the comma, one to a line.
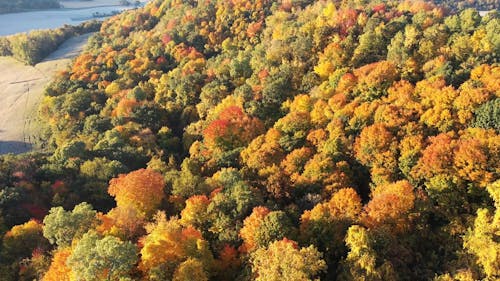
(48,19)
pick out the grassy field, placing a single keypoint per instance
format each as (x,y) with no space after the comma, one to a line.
(21,89)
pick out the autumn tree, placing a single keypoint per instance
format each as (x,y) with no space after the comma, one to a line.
(230,205)
(390,206)
(250,225)
(125,222)
(21,240)
(284,260)
(361,261)
(377,147)
(326,224)
(168,244)
(480,240)
(59,270)
(190,270)
(232,129)
(141,189)
(195,213)
(263,227)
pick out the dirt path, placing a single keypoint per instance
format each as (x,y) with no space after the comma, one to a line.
(21,89)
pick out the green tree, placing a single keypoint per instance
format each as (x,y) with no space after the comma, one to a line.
(96,258)
(487,116)
(275,226)
(62,227)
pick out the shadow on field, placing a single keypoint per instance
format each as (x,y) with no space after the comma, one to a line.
(15,147)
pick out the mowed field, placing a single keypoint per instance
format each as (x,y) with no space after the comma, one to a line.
(21,89)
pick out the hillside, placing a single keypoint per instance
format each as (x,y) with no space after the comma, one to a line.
(267,140)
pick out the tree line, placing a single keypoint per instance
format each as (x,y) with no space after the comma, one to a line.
(32,47)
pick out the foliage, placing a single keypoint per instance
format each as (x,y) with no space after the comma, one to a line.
(101,258)
(62,227)
(141,189)
(366,131)
(283,260)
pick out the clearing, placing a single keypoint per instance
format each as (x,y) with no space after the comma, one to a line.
(21,89)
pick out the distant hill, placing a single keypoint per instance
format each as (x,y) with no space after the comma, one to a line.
(9,6)
(457,5)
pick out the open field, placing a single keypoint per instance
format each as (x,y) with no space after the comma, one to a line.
(21,89)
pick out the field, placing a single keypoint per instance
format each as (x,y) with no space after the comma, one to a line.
(21,89)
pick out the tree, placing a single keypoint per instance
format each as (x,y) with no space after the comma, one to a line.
(21,240)
(480,240)
(168,244)
(263,151)
(263,227)
(284,260)
(377,147)
(102,168)
(125,222)
(231,205)
(325,225)
(187,182)
(59,270)
(275,226)
(374,79)
(195,212)
(101,258)
(293,128)
(250,226)
(141,189)
(390,206)
(361,261)
(62,227)
(487,116)
(190,270)
(233,129)
(437,102)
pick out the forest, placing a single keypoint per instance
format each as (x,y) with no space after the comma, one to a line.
(266,140)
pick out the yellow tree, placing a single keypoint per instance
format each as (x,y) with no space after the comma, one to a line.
(481,240)
(195,213)
(168,244)
(361,261)
(284,260)
(377,148)
(250,226)
(59,270)
(190,270)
